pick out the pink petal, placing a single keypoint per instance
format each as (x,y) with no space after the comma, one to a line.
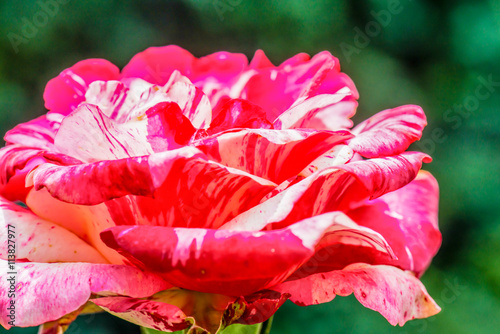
(65,92)
(389,132)
(156,64)
(39,240)
(45,292)
(408,219)
(396,294)
(260,61)
(220,66)
(336,188)
(270,154)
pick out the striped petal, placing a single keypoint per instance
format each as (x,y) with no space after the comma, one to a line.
(389,132)
(65,92)
(396,294)
(222,261)
(339,188)
(38,240)
(171,310)
(184,188)
(276,89)
(89,135)
(37,133)
(41,289)
(275,155)
(408,219)
(84,221)
(321,112)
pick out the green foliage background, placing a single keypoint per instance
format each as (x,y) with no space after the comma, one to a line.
(433,53)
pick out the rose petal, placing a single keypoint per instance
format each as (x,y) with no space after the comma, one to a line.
(389,132)
(270,154)
(239,113)
(41,289)
(65,92)
(146,313)
(156,64)
(171,310)
(384,175)
(321,112)
(408,220)
(295,80)
(260,61)
(89,135)
(260,306)
(37,133)
(38,240)
(396,294)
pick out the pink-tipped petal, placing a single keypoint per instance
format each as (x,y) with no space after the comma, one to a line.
(389,132)
(397,295)
(41,289)
(66,91)
(408,219)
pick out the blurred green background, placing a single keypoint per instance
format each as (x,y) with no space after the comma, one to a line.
(443,55)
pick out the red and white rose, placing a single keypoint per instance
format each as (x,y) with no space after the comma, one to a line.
(189,192)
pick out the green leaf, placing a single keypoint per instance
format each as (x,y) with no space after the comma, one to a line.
(242,329)
(233,329)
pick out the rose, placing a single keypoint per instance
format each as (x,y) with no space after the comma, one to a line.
(195,193)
